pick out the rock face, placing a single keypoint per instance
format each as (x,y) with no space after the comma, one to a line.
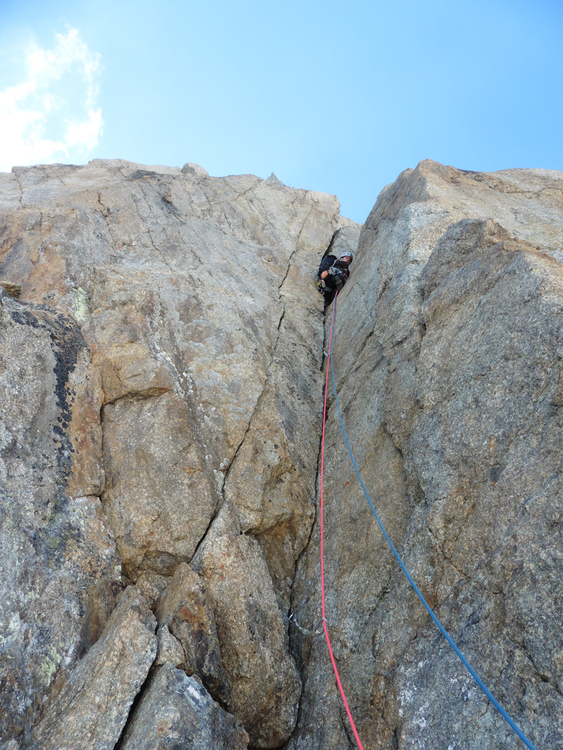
(59,570)
(175,711)
(160,374)
(186,612)
(93,706)
(449,385)
(168,343)
(265,686)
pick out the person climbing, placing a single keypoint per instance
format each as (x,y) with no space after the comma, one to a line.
(333,273)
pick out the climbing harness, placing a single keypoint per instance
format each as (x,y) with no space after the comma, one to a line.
(334,271)
(439,625)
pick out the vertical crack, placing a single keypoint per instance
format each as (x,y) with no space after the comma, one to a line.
(138,698)
(18,181)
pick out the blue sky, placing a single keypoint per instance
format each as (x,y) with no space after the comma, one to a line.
(331,96)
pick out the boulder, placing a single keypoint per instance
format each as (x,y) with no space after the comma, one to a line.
(93,706)
(186,612)
(176,711)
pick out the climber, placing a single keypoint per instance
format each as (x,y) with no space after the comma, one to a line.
(333,273)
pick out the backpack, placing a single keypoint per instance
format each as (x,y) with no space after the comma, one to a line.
(327,262)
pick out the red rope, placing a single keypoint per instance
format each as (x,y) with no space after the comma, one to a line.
(356,735)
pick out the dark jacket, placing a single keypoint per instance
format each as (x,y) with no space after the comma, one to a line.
(330,261)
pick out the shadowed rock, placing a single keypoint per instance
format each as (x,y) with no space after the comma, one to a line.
(186,612)
(59,572)
(448,360)
(12,290)
(177,712)
(93,706)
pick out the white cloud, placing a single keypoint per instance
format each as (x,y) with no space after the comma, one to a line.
(52,114)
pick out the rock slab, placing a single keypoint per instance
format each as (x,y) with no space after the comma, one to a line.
(177,712)
(59,572)
(448,360)
(202,335)
(93,706)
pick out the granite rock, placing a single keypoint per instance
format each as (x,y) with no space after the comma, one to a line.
(186,611)
(59,570)
(195,297)
(447,358)
(170,650)
(179,312)
(177,712)
(264,684)
(93,706)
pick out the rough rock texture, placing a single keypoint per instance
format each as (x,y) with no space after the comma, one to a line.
(186,612)
(195,297)
(170,650)
(177,712)
(12,290)
(161,394)
(264,684)
(448,354)
(181,282)
(93,706)
(59,573)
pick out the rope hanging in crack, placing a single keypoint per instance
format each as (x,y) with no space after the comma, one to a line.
(327,637)
(439,625)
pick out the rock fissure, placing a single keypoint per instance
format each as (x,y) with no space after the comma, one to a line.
(105,212)
(549,679)
(149,231)
(18,182)
(47,174)
(434,459)
(238,448)
(331,243)
(347,730)
(136,701)
(265,217)
(286,274)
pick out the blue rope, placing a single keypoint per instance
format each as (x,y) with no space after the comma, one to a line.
(439,625)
